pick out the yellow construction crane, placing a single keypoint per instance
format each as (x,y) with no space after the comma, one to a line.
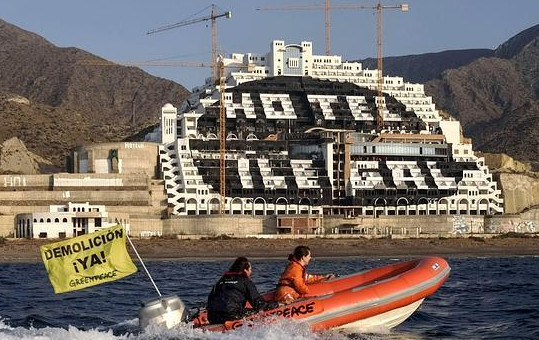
(213,18)
(379,8)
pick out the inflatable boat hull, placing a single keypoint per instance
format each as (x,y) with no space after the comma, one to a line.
(378,298)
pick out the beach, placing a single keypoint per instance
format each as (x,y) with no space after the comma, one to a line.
(16,250)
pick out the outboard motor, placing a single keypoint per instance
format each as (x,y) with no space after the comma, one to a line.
(168,311)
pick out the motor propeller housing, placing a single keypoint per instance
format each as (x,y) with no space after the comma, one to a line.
(168,311)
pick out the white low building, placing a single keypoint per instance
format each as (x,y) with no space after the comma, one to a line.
(65,221)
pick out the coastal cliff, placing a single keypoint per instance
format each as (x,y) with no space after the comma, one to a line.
(519,185)
(16,159)
(520,191)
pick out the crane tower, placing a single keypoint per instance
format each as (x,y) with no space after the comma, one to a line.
(213,19)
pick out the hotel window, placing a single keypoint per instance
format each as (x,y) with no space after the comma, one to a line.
(293,62)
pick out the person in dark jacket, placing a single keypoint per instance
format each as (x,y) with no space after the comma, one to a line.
(229,295)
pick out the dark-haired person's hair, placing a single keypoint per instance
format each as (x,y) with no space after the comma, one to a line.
(299,252)
(240,264)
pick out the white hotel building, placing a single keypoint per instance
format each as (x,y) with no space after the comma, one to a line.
(302,138)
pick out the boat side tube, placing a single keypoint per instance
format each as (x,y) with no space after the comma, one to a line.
(378,297)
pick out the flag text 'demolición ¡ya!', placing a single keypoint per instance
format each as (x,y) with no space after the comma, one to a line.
(88,260)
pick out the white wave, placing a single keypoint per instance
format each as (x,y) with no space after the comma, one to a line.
(282,330)
(50,333)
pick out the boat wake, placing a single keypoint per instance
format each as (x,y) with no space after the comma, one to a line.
(285,329)
(281,330)
(53,333)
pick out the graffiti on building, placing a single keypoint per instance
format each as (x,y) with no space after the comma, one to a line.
(147,233)
(513,226)
(526,227)
(478,227)
(14,181)
(459,225)
(131,145)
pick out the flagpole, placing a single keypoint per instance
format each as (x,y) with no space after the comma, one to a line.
(143,265)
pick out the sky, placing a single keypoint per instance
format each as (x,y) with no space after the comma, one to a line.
(117,29)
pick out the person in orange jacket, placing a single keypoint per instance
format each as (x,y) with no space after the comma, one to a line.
(294,280)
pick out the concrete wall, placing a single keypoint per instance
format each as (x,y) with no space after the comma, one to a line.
(7,225)
(132,157)
(129,194)
(527,222)
(46,198)
(73,182)
(391,224)
(83,181)
(242,226)
(146,226)
(520,223)
(216,225)
(24,182)
(411,226)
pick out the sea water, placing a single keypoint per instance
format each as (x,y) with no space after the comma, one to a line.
(484,298)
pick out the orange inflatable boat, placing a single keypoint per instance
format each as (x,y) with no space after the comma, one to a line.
(380,297)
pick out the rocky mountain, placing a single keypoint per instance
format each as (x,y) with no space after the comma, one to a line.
(494,93)
(54,99)
(497,98)
(424,67)
(16,159)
